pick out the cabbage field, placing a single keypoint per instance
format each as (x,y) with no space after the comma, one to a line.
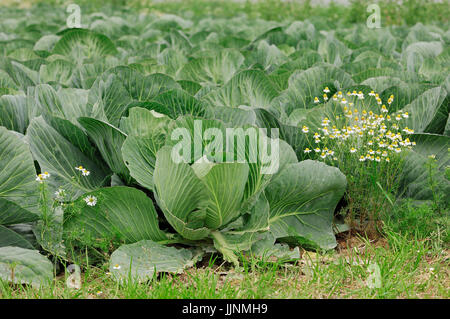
(151,141)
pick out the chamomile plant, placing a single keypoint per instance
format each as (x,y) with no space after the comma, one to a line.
(366,142)
(49,228)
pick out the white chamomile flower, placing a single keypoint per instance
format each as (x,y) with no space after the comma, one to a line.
(353,150)
(79,168)
(362,158)
(116,267)
(323,155)
(326,90)
(90,200)
(325,122)
(317,150)
(344,101)
(378,159)
(85,172)
(41,177)
(405,115)
(372,93)
(325,97)
(398,150)
(391,99)
(305,129)
(316,100)
(307,150)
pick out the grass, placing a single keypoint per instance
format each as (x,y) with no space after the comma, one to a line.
(413,263)
(421,223)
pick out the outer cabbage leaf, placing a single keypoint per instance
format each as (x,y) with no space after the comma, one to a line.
(81,44)
(18,189)
(181,196)
(302,199)
(414,182)
(60,158)
(305,85)
(120,214)
(9,237)
(249,87)
(14,112)
(25,266)
(428,112)
(109,141)
(141,261)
